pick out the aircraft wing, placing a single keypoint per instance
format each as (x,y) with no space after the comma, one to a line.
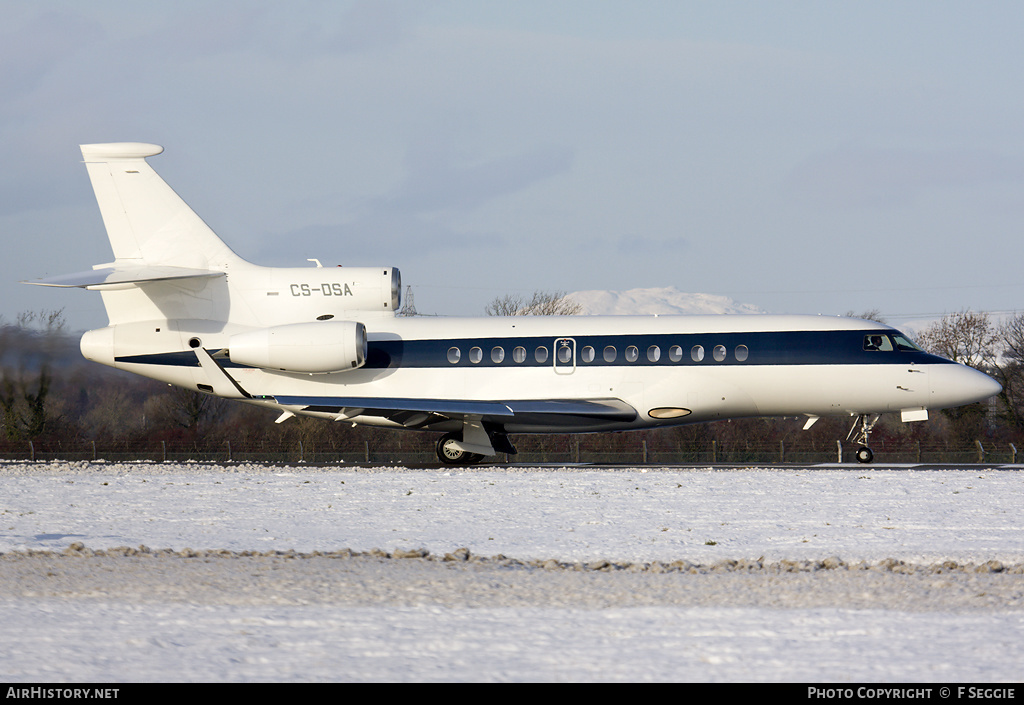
(568,412)
(121,275)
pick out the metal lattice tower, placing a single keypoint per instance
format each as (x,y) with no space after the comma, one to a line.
(409,304)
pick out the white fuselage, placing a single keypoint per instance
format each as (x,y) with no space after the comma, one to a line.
(791,365)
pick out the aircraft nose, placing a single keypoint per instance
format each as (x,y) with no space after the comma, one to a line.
(957,385)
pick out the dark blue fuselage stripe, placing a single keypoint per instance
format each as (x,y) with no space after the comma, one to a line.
(761,348)
(845,347)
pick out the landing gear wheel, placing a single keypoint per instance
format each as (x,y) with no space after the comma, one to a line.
(861,435)
(448,454)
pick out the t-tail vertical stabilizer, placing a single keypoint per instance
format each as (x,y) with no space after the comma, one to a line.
(167,261)
(170,266)
(146,221)
(174,287)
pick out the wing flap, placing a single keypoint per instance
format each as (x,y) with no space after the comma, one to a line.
(453,407)
(597,409)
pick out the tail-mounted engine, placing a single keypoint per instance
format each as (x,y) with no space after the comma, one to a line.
(313,348)
(283,295)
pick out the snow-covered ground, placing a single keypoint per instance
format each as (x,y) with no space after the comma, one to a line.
(847,613)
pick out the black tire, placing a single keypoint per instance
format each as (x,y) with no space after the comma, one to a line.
(864,455)
(449,455)
(453,456)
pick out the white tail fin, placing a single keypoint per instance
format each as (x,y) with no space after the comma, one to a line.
(172,272)
(146,221)
(164,254)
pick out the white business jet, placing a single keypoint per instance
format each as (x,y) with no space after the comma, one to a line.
(325,342)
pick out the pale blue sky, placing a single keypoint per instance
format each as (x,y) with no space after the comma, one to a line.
(805,157)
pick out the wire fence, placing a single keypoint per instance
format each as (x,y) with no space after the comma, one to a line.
(571,450)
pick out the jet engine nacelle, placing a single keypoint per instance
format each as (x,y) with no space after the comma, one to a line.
(312,348)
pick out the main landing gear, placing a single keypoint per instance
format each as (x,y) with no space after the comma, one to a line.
(449,454)
(860,436)
(451,447)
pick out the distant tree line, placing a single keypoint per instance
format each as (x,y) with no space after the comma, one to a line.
(52,397)
(541,303)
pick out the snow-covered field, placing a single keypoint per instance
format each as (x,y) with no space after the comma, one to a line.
(832,573)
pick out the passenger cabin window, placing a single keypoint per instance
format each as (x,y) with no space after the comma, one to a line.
(587,354)
(742,353)
(541,355)
(719,353)
(497,354)
(454,355)
(610,353)
(519,354)
(632,353)
(654,353)
(675,353)
(697,353)
(476,355)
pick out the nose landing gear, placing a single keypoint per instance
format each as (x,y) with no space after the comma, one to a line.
(864,455)
(860,436)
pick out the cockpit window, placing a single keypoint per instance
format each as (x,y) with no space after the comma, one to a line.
(906,345)
(886,343)
(877,342)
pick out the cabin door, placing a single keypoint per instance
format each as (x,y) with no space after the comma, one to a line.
(564,356)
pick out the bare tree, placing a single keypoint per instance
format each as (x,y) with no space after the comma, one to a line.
(966,337)
(542,303)
(1012,334)
(11,417)
(25,417)
(972,339)
(29,346)
(185,408)
(871,314)
(113,413)
(1009,370)
(50,321)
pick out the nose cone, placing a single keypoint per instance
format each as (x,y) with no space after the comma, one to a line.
(958,385)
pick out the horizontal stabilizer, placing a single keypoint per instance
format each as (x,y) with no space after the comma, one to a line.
(118,151)
(120,276)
